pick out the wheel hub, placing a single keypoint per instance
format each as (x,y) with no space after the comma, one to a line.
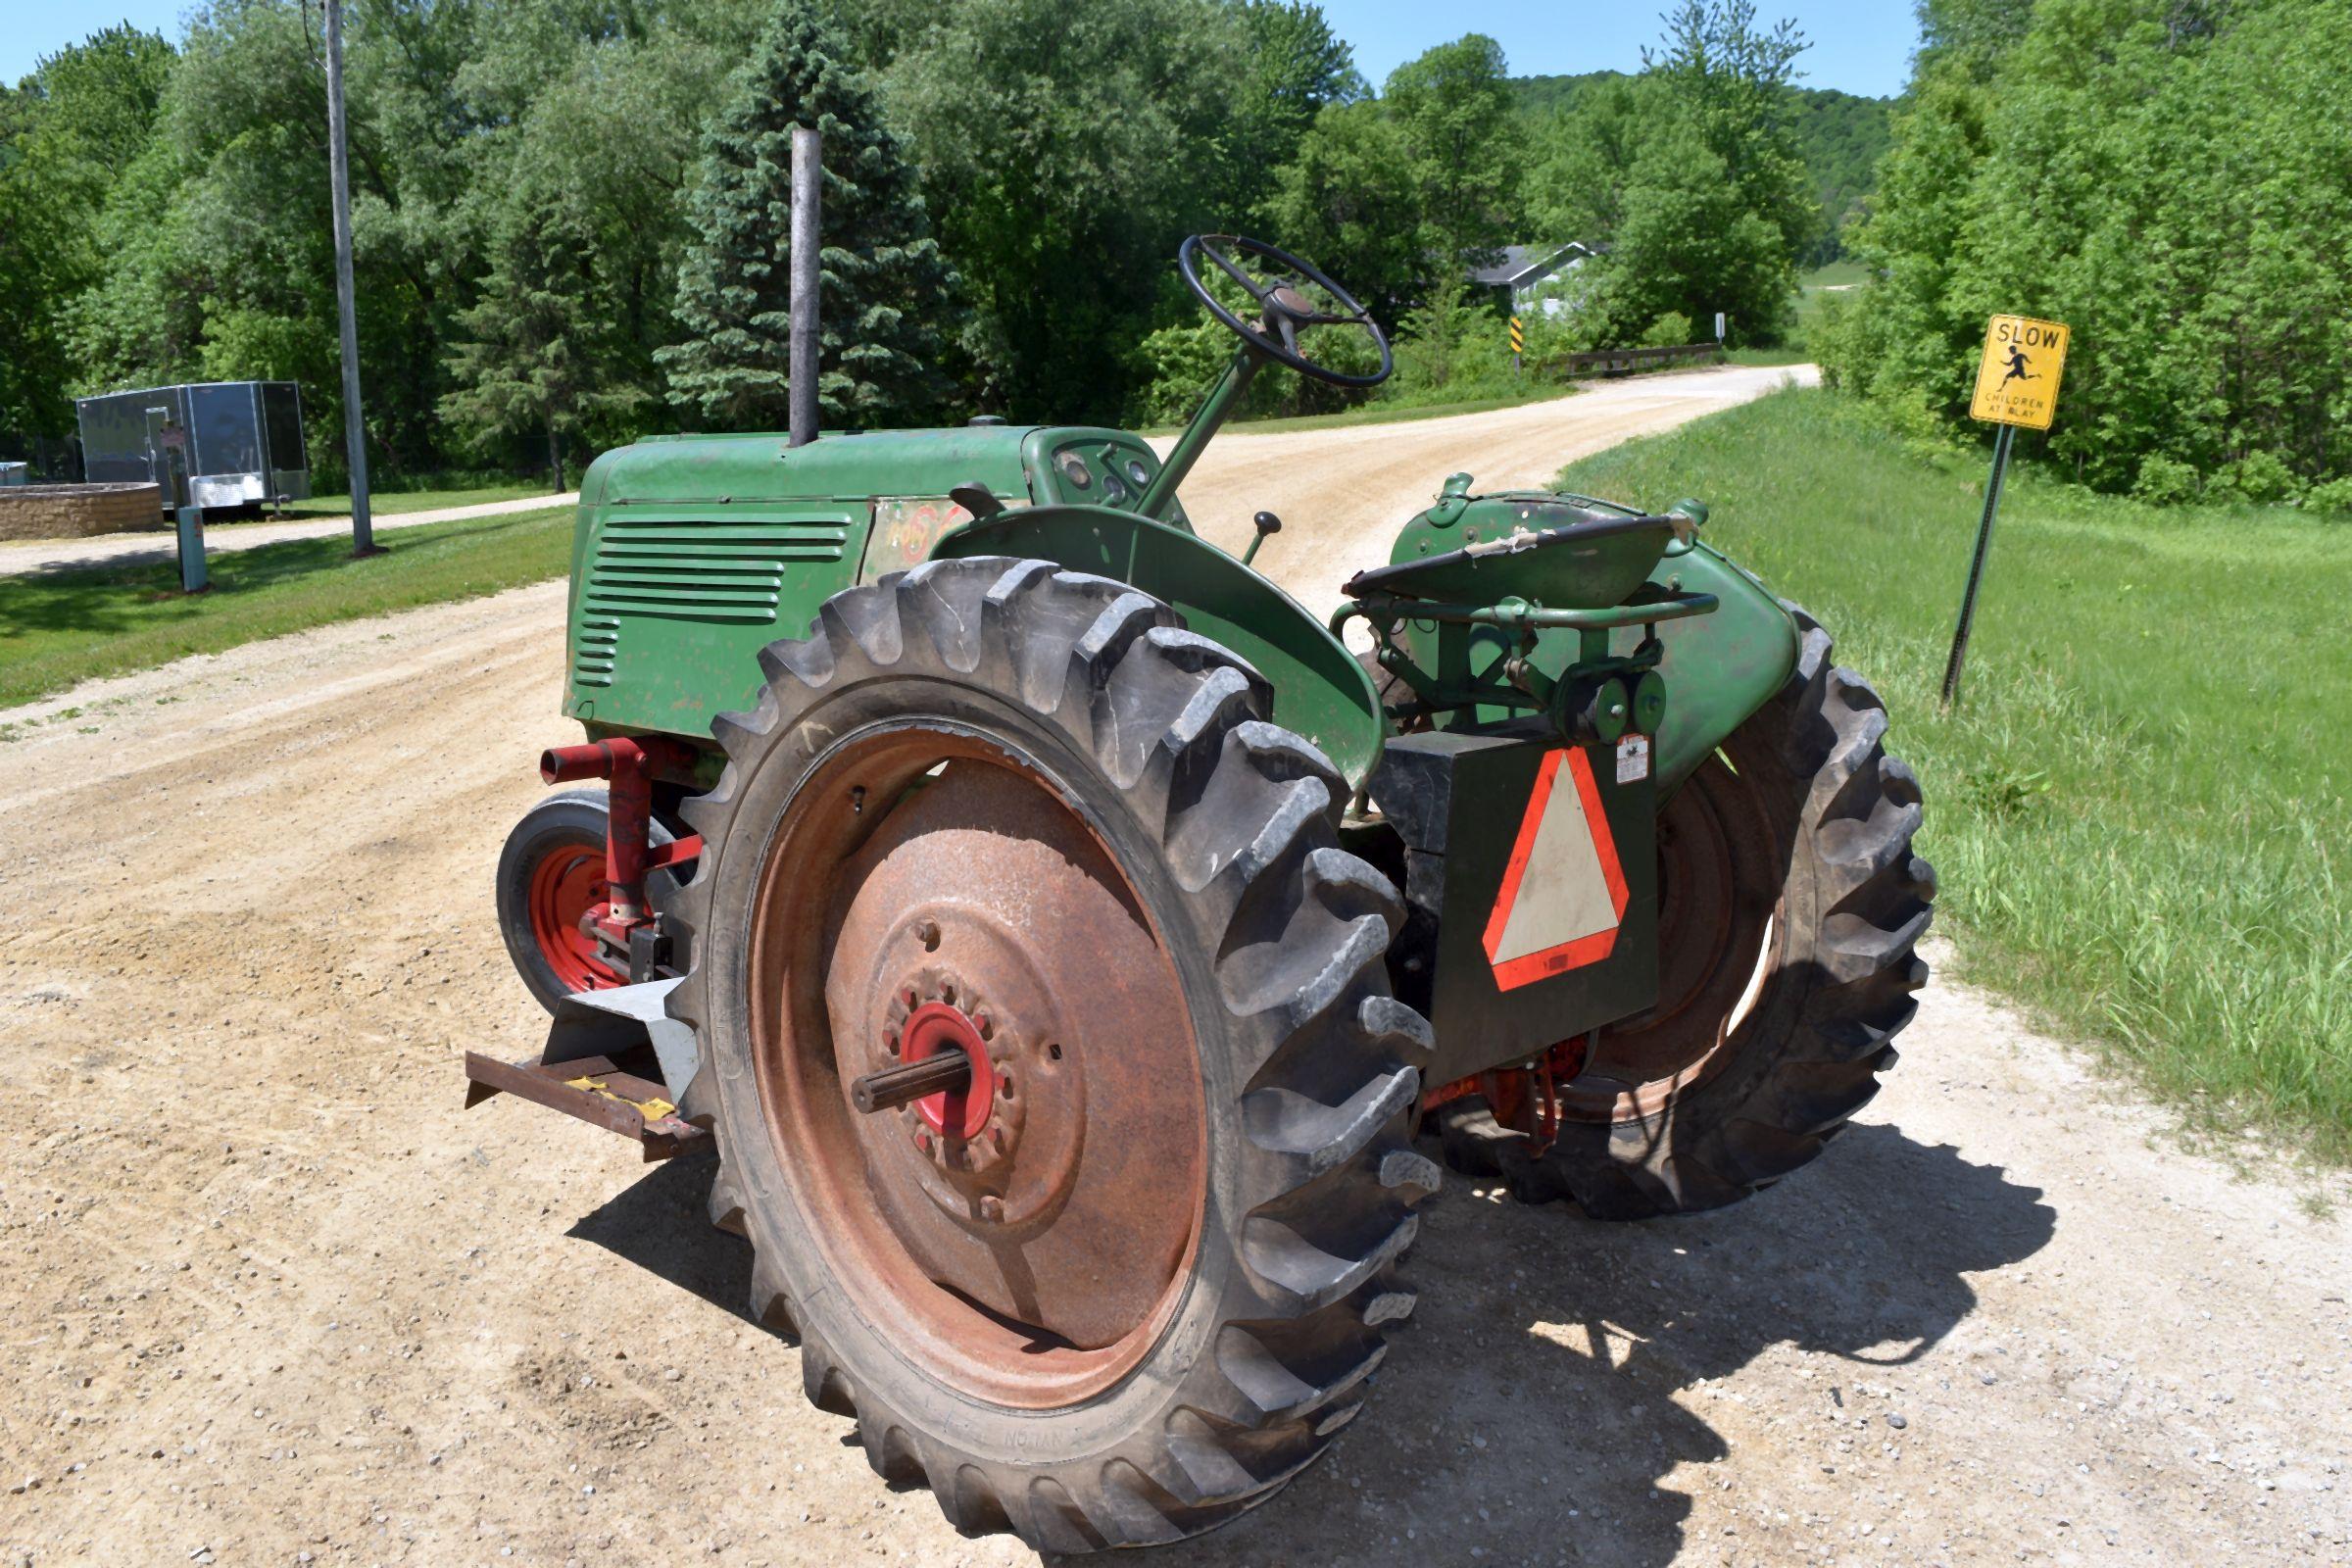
(962,1114)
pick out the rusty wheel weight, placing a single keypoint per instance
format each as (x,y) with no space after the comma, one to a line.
(1031,1225)
(1050,1051)
(1790,905)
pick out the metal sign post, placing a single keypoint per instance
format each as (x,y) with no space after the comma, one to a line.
(193,579)
(2017,384)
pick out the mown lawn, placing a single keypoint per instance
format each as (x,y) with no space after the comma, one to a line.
(2139,810)
(387,502)
(59,629)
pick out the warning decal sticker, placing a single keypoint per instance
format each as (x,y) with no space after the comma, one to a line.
(1563,892)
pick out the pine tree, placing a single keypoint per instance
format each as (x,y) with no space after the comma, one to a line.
(886,290)
(540,354)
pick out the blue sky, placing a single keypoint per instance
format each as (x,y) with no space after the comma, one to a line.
(1863,46)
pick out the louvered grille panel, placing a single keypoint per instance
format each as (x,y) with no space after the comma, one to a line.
(729,573)
(599,645)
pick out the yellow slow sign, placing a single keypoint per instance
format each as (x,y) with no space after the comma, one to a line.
(2017,381)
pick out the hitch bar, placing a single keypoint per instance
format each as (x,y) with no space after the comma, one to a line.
(615,1060)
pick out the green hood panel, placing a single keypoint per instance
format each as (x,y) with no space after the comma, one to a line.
(722,470)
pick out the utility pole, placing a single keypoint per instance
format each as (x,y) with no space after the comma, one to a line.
(355,439)
(807,180)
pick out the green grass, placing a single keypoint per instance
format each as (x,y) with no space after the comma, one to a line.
(387,502)
(2138,810)
(58,629)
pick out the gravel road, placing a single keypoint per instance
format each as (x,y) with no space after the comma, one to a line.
(272,1297)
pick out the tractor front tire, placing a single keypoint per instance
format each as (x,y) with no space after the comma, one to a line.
(1790,908)
(550,874)
(1133,1277)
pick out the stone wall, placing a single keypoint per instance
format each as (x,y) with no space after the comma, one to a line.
(72,511)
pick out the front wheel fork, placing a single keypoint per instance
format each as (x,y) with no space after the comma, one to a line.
(624,925)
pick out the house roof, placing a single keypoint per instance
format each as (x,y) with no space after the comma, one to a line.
(1522,265)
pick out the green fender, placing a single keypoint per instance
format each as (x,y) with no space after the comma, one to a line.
(1320,691)
(1718,669)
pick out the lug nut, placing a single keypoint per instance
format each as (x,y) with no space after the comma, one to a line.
(927,933)
(992,1208)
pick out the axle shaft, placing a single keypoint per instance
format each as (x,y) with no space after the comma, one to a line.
(944,1071)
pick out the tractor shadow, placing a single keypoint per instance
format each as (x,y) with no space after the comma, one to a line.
(1550,1382)
(1548,1385)
(662,1223)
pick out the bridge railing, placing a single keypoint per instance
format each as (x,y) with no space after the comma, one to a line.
(1616,362)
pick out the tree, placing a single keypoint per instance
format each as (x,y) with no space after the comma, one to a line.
(1454,343)
(67,136)
(884,289)
(1351,193)
(1454,112)
(1732,79)
(1297,67)
(1688,178)
(1068,146)
(1689,245)
(2153,177)
(1581,157)
(616,128)
(1963,39)
(539,356)
(1842,138)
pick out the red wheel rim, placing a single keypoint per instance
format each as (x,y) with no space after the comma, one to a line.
(567,883)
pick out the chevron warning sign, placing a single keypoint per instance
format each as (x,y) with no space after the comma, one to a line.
(1563,892)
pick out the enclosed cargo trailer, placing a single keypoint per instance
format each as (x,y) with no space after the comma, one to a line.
(213,444)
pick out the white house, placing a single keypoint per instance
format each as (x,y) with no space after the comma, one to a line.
(1537,277)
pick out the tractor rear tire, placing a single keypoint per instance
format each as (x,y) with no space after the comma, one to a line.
(1788,883)
(1023,810)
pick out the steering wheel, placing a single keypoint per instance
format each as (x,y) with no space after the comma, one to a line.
(1282,305)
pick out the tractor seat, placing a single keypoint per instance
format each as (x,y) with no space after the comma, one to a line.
(1543,548)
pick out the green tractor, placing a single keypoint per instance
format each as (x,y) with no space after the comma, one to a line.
(1075,954)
